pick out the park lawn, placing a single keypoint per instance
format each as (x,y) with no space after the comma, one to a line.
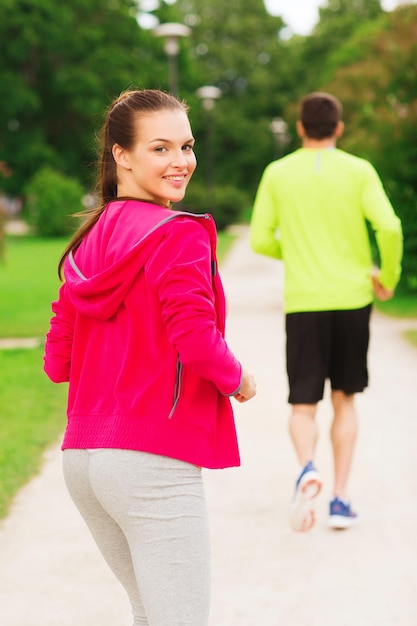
(32,409)
(29,282)
(32,417)
(403,305)
(411,336)
(225,241)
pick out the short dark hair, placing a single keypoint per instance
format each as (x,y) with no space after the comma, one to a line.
(319,114)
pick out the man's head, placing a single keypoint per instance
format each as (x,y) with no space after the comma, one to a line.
(321,116)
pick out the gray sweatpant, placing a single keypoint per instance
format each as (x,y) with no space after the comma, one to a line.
(148,516)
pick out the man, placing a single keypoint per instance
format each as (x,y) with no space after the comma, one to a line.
(311,211)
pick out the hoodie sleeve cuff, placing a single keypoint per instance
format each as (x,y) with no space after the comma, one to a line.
(230,395)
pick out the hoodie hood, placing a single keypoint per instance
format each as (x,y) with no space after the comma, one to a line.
(101,271)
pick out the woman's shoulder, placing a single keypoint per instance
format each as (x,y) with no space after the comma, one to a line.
(193,228)
(193,222)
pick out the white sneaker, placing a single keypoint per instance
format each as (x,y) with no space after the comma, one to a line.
(307,487)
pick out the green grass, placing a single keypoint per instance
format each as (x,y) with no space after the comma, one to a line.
(224,243)
(404,306)
(401,305)
(29,282)
(411,336)
(32,416)
(32,409)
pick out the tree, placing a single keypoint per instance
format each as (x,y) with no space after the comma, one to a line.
(60,65)
(376,82)
(52,201)
(234,46)
(338,22)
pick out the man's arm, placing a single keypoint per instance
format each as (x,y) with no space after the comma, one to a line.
(265,221)
(388,231)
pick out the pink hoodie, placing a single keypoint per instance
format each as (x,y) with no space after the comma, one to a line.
(138,332)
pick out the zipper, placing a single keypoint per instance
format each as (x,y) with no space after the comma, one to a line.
(177,387)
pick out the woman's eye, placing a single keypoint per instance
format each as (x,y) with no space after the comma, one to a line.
(160,149)
(187,148)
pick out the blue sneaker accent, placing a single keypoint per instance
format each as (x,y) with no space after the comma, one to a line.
(307,487)
(341,515)
(306,474)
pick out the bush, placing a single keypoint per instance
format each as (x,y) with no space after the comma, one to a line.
(51,200)
(226,204)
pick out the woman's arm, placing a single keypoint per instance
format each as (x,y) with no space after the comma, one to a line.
(58,346)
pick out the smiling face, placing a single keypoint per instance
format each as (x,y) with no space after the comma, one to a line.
(161,162)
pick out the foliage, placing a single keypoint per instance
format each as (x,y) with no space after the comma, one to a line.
(314,55)
(225,203)
(236,49)
(51,200)
(382,122)
(55,86)
(60,65)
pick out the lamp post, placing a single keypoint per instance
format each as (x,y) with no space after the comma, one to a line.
(171,32)
(279,130)
(208,96)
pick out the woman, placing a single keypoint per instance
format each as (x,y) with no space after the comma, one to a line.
(138,332)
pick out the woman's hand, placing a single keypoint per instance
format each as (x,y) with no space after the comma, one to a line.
(247,389)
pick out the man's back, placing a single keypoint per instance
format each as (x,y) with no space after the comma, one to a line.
(319,201)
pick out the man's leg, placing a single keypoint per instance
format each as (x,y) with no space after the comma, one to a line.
(348,371)
(303,432)
(308,343)
(343,437)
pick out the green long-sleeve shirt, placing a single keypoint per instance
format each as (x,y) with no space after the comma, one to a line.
(311,211)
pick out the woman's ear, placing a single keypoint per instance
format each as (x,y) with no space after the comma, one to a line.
(120,156)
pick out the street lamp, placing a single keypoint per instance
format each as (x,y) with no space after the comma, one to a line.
(208,96)
(171,32)
(279,130)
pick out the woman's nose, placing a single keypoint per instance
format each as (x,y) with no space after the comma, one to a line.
(179,159)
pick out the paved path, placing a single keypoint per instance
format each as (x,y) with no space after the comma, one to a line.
(264,575)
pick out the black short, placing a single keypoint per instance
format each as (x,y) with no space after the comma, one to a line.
(327,344)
